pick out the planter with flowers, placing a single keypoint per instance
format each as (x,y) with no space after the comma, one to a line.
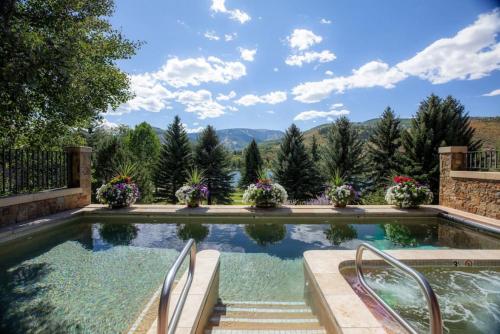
(265,193)
(194,191)
(407,193)
(120,192)
(339,192)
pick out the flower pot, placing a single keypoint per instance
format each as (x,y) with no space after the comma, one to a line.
(193,204)
(339,205)
(264,205)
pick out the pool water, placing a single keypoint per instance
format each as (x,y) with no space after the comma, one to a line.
(95,275)
(469,298)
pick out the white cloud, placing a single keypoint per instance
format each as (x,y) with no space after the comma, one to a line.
(105,124)
(150,95)
(374,73)
(194,71)
(230,37)
(192,130)
(247,54)
(324,56)
(329,73)
(276,69)
(493,93)
(303,39)
(271,98)
(471,54)
(313,114)
(325,21)
(200,102)
(211,35)
(219,6)
(222,97)
(232,108)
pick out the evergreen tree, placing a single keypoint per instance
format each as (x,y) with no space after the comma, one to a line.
(295,169)
(175,160)
(343,151)
(211,158)
(383,146)
(315,150)
(252,164)
(437,123)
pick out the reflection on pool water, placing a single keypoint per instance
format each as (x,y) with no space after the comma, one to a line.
(95,276)
(469,298)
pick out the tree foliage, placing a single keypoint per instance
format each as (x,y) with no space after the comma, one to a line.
(175,160)
(315,150)
(343,151)
(437,123)
(211,158)
(383,147)
(57,68)
(294,168)
(251,166)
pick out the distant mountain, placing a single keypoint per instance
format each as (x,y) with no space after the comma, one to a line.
(238,138)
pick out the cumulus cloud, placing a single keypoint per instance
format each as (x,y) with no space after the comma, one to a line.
(247,54)
(303,39)
(200,102)
(192,130)
(313,114)
(325,21)
(324,56)
(211,35)
(374,73)
(493,93)
(471,54)
(150,95)
(329,73)
(270,98)
(105,124)
(219,6)
(230,37)
(222,97)
(194,71)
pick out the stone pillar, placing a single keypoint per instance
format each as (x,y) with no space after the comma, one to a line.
(450,158)
(80,172)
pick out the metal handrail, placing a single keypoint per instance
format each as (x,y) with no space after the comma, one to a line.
(164,326)
(435,322)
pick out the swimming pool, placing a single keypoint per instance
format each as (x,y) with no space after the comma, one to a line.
(95,275)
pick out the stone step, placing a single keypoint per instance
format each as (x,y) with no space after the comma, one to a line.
(253,320)
(264,326)
(263,315)
(259,331)
(260,309)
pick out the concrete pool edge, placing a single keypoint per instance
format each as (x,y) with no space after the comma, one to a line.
(337,304)
(16,231)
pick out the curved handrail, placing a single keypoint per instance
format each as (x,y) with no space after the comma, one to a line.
(163,324)
(435,322)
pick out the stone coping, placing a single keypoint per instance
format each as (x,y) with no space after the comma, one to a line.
(348,313)
(475,175)
(19,230)
(202,294)
(38,196)
(453,149)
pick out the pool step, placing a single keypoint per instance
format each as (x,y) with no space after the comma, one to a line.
(259,317)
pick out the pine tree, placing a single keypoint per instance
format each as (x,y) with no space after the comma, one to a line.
(437,123)
(252,164)
(295,169)
(343,151)
(211,158)
(383,146)
(315,150)
(175,160)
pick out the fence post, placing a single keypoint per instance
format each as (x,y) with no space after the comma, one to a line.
(79,171)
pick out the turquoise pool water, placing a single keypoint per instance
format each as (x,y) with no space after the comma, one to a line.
(469,298)
(95,275)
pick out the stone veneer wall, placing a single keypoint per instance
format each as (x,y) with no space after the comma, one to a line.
(474,192)
(29,206)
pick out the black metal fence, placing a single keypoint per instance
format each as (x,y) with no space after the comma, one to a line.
(28,171)
(482,160)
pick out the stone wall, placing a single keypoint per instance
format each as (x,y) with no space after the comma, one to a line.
(18,208)
(471,191)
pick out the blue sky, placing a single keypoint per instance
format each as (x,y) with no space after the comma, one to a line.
(268,63)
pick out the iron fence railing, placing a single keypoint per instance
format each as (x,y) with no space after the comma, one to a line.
(482,160)
(29,170)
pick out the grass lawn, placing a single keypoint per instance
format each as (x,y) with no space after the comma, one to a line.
(236,196)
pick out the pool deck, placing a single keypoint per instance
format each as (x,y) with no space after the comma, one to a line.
(313,211)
